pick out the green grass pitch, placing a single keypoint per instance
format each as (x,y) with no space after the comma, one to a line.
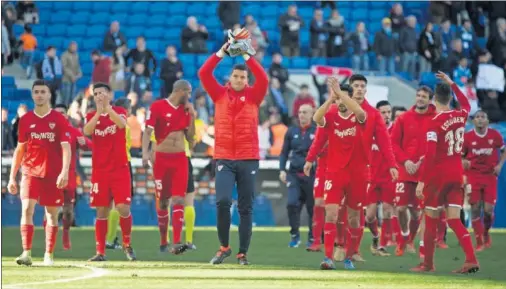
(274,265)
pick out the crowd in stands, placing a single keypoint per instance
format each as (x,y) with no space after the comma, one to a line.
(448,41)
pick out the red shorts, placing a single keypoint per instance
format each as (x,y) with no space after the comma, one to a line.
(171,175)
(383,192)
(483,188)
(405,194)
(347,187)
(72,184)
(43,190)
(319,183)
(109,186)
(443,193)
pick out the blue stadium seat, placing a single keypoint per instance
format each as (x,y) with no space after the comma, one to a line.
(81,18)
(269,24)
(482,42)
(210,45)
(133,32)
(58,30)
(428,79)
(154,33)
(340,61)
(139,7)
(84,211)
(92,43)
(153,44)
(207,212)
(178,8)
(101,6)
(11,210)
(119,94)
(360,4)
(101,18)
(39,30)
(60,17)
(120,17)
(269,12)
(43,5)
(177,21)
(83,82)
(8,81)
(345,12)
(304,38)
(300,62)
(137,20)
(156,20)
(87,68)
(201,58)
(211,24)
(44,18)
(318,61)
(198,8)
(380,5)
(77,30)
(96,31)
(159,8)
(18,30)
(172,34)
(377,15)
(121,7)
(374,27)
(81,6)
(7,92)
(187,59)
(305,13)
(189,71)
(62,5)
(360,15)
(56,42)
(23,94)
(263,213)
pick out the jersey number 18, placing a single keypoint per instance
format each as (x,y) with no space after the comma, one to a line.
(455,140)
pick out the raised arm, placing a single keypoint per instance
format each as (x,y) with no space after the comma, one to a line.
(461,97)
(259,89)
(352,105)
(119,118)
(213,88)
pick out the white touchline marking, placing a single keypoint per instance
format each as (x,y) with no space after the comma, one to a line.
(96,273)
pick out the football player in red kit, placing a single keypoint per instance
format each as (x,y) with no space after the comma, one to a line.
(43,153)
(408,137)
(319,149)
(110,175)
(347,170)
(382,189)
(76,140)
(445,141)
(482,165)
(172,120)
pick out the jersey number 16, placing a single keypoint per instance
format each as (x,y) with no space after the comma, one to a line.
(455,140)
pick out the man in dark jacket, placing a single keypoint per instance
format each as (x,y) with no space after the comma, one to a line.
(140,84)
(408,46)
(278,71)
(171,71)
(497,44)
(290,24)
(454,56)
(469,39)
(298,140)
(229,13)
(114,38)
(140,54)
(385,47)
(193,37)
(7,142)
(319,35)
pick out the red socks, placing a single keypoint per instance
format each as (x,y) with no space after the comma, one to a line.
(373,227)
(66,233)
(429,240)
(354,239)
(163,225)
(478,227)
(488,220)
(44,223)
(441,228)
(414,223)
(27,236)
(126,229)
(421,250)
(100,235)
(386,227)
(318,222)
(51,233)
(177,222)
(328,239)
(396,228)
(360,232)
(464,239)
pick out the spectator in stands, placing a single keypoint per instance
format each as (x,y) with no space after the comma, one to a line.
(397,18)
(6,46)
(497,9)
(141,54)
(9,19)
(385,47)
(497,43)
(462,73)
(318,35)
(71,73)
(336,46)
(29,44)
(201,107)
(139,83)
(396,111)
(265,138)
(7,142)
(27,12)
(454,55)
(52,72)
(171,71)
(258,39)
(360,43)
(304,97)
(229,13)
(429,48)
(102,67)
(469,40)
(22,110)
(408,46)
(278,71)
(278,134)
(278,98)
(193,37)
(447,36)
(118,68)
(290,24)
(114,38)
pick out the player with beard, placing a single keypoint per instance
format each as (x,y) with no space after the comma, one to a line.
(482,165)
(408,142)
(382,189)
(172,120)
(43,153)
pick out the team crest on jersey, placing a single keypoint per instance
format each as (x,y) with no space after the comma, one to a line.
(353,119)
(311,136)
(490,141)
(51,125)
(473,143)
(168,115)
(220,168)
(242,98)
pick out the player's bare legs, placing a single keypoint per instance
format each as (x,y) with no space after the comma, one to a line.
(414,223)
(403,216)
(453,216)
(488,220)
(27,211)
(429,240)
(125,223)
(177,225)
(318,223)
(68,219)
(51,233)
(421,234)
(189,219)
(329,235)
(372,223)
(342,233)
(100,233)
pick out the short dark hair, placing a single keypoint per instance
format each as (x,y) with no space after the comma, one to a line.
(123,102)
(61,105)
(443,93)
(240,67)
(304,86)
(382,103)
(101,85)
(28,29)
(96,52)
(480,111)
(49,48)
(358,77)
(41,82)
(426,89)
(395,109)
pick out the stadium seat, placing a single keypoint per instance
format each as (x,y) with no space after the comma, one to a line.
(81,6)
(18,30)
(156,20)
(178,8)
(306,13)
(43,5)
(154,32)
(76,31)
(269,12)
(38,30)
(11,210)
(101,18)
(58,30)
(340,61)
(140,7)
(84,211)
(83,82)
(159,8)
(62,17)
(172,34)
(137,20)
(152,44)
(8,82)
(207,216)
(62,5)
(101,6)
(87,68)
(120,17)
(81,18)
(121,7)
(23,94)
(300,62)
(177,21)
(482,42)
(360,4)
(92,43)
(56,42)
(263,214)
(7,92)
(428,79)
(380,5)
(133,32)
(318,61)
(198,8)
(376,15)
(96,31)
(360,15)
(187,59)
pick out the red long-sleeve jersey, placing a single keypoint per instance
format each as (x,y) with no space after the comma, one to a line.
(380,170)
(319,147)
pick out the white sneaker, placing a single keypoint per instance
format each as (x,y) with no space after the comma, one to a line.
(48,259)
(24,259)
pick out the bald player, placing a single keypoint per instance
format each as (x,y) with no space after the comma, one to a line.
(172,120)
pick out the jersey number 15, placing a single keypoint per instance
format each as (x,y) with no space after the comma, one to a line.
(455,140)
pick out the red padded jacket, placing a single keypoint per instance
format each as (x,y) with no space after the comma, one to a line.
(236,112)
